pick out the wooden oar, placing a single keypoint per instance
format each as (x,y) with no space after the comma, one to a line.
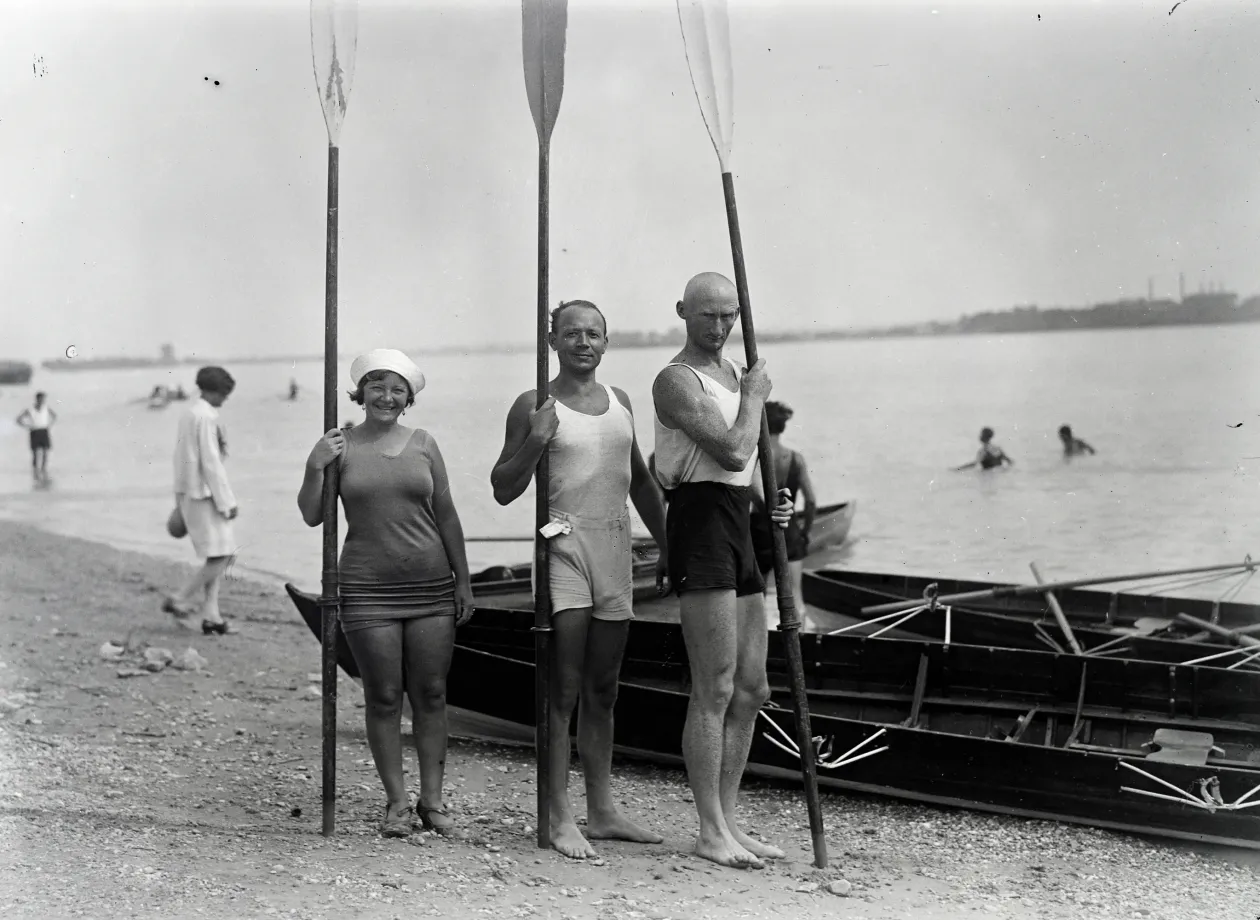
(1023,590)
(1233,635)
(334,34)
(707,42)
(1057,611)
(544,23)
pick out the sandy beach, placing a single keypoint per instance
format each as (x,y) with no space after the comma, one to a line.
(195,793)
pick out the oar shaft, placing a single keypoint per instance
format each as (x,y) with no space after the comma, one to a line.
(330,603)
(789,621)
(1057,611)
(542,567)
(1232,634)
(1022,590)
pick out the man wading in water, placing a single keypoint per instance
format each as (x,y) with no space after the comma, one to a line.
(708,419)
(587,429)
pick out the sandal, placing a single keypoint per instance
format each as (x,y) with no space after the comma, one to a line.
(397,824)
(438,820)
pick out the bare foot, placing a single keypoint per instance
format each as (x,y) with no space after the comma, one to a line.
(755,847)
(568,841)
(724,851)
(617,826)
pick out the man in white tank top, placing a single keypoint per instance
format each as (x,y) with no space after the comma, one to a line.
(708,419)
(38,419)
(594,465)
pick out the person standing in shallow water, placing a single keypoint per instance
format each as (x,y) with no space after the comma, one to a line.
(205,501)
(990,456)
(403,575)
(38,420)
(1072,445)
(708,421)
(587,429)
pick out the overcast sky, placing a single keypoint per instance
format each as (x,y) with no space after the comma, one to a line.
(895,162)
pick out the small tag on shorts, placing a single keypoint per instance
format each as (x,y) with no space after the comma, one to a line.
(555,528)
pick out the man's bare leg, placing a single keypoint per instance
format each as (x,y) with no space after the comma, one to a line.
(568,655)
(709,630)
(605,647)
(750,694)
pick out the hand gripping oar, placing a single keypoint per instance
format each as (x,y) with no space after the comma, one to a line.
(543,28)
(706,39)
(334,34)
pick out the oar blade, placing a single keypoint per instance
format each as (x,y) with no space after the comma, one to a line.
(707,41)
(334,37)
(544,24)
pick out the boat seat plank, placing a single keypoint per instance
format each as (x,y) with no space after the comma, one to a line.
(1174,745)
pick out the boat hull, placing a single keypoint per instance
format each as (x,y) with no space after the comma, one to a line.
(1013,732)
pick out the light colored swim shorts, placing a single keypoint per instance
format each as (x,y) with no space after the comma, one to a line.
(591,567)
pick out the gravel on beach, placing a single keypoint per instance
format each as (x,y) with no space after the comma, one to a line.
(139,780)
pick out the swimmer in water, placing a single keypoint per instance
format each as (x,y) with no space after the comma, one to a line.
(990,456)
(1073,446)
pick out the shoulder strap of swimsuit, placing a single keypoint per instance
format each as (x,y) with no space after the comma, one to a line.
(705,382)
(613,400)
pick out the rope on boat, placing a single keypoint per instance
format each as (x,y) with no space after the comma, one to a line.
(822,747)
(1254,655)
(1243,650)
(905,616)
(1209,798)
(1181,582)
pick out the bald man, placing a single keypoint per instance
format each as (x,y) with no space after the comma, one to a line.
(708,418)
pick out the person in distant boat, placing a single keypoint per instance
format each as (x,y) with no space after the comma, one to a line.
(38,420)
(179,393)
(587,430)
(404,577)
(792,474)
(1072,445)
(990,456)
(707,424)
(205,500)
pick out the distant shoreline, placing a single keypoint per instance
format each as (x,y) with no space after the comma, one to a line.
(1210,309)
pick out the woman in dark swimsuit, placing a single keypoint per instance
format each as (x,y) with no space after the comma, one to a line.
(791,473)
(990,456)
(404,577)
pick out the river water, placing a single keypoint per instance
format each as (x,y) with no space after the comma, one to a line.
(1174,483)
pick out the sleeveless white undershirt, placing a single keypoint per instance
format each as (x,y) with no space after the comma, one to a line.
(679,459)
(589,461)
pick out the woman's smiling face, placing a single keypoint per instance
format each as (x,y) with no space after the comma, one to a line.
(385,397)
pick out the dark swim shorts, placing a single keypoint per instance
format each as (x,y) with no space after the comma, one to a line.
(40,439)
(710,544)
(763,541)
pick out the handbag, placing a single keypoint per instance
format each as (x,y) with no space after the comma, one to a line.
(175,525)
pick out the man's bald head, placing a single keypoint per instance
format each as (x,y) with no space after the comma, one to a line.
(710,308)
(709,288)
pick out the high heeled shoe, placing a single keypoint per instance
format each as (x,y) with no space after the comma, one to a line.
(222,628)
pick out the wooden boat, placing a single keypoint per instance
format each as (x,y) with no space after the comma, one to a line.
(1128,745)
(1129,625)
(831,528)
